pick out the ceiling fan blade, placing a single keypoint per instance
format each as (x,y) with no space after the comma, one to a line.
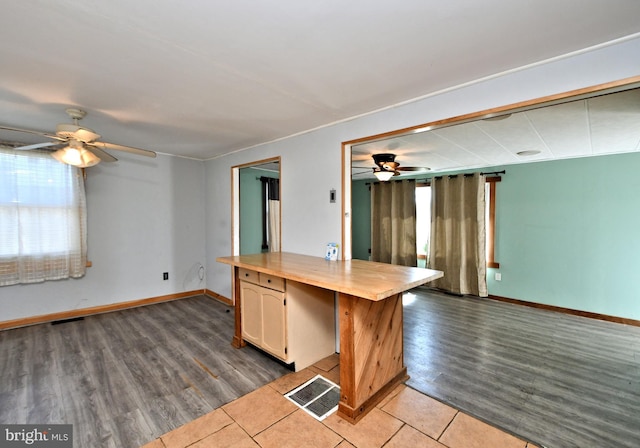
(83,150)
(102,155)
(29,131)
(413,168)
(36,146)
(138,151)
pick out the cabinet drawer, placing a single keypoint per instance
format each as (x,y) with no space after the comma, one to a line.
(272,282)
(248,276)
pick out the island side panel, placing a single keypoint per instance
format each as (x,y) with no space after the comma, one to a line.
(347,404)
(371,352)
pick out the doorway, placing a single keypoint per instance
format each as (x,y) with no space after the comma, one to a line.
(256,216)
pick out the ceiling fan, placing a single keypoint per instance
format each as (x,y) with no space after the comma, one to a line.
(76,145)
(387,167)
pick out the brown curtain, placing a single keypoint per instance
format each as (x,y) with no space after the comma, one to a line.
(393,222)
(458,245)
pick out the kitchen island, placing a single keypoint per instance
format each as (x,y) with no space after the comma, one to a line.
(369,316)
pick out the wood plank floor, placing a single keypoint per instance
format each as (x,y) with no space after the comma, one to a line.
(556,379)
(125,378)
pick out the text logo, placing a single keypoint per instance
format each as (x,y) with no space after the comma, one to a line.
(36,436)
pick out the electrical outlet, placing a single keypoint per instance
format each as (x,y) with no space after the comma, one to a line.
(498,276)
(165,276)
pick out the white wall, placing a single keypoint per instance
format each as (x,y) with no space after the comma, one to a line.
(169,214)
(145,217)
(311,163)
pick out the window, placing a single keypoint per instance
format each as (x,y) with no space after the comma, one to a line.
(42,218)
(490,197)
(423,221)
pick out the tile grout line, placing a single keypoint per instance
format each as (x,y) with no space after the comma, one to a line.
(448,425)
(238,424)
(399,429)
(272,424)
(404,424)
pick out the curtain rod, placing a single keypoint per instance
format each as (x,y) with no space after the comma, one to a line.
(450,176)
(468,174)
(465,175)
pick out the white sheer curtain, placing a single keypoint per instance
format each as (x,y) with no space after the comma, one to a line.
(458,234)
(42,218)
(272,198)
(274,225)
(393,222)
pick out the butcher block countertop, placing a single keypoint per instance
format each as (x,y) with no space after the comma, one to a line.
(366,279)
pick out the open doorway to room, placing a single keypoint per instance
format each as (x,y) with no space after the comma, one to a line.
(497,137)
(256,207)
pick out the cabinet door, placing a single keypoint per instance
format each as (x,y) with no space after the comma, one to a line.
(274,323)
(251,312)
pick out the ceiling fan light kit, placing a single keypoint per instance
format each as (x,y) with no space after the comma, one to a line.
(387,167)
(77,156)
(81,150)
(383,176)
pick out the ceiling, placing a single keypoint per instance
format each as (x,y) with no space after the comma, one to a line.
(215,77)
(604,124)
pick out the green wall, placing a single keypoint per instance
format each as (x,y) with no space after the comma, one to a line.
(361,219)
(251,209)
(567,233)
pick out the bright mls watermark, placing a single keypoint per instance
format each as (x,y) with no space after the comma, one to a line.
(36,436)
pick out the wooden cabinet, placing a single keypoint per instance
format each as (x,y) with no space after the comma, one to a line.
(292,321)
(274,327)
(251,312)
(264,318)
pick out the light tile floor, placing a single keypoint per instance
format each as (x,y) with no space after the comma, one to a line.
(405,418)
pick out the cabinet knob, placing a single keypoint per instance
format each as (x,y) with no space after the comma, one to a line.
(269,281)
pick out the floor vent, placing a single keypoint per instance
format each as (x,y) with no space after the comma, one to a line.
(318,397)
